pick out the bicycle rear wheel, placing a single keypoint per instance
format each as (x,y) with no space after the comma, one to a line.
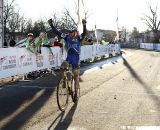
(62,95)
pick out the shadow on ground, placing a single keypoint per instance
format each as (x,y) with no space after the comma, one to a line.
(14,98)
(146,87)
(64,122)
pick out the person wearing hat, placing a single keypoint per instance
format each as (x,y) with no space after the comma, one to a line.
(27,42)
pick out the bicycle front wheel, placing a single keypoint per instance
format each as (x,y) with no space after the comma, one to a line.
(62,95)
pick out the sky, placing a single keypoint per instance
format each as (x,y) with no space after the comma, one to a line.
(103,13)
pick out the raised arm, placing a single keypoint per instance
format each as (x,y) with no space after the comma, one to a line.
(54,29)
(84,29)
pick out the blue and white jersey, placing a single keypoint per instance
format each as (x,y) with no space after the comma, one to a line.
(72,46)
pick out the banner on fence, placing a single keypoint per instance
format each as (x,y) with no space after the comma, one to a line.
(15,61)
(8,62)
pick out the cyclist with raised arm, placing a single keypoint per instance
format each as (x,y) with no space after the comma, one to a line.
(73,43)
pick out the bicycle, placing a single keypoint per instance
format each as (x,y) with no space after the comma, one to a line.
(66,88)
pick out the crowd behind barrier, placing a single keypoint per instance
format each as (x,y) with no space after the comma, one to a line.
(19,61)
(150,46)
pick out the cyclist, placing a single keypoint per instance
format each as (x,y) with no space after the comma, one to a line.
(73,42)
(27,42)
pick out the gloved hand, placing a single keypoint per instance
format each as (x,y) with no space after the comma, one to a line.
(84,21)
(50,22)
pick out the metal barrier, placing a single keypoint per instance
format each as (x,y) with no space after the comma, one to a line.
(17,61)
(150,46)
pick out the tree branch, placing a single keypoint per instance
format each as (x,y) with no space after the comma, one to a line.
(67,11)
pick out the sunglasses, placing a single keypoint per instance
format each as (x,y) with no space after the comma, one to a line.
(71,31)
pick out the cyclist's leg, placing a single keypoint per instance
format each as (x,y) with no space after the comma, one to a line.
(75,69)
(74,61)
(76,79)
(63,67)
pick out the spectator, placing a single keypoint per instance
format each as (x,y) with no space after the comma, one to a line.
(42,40)
(54,42)
(27,42)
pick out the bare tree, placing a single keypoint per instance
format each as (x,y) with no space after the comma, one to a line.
(68,18)
(14,23)
(85,10)
(35,29)
(8,11)
(56,20)
(123,34)
(42,25)
(39,26)
(23,24)
(152,21)
(135,35)
(29,26)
